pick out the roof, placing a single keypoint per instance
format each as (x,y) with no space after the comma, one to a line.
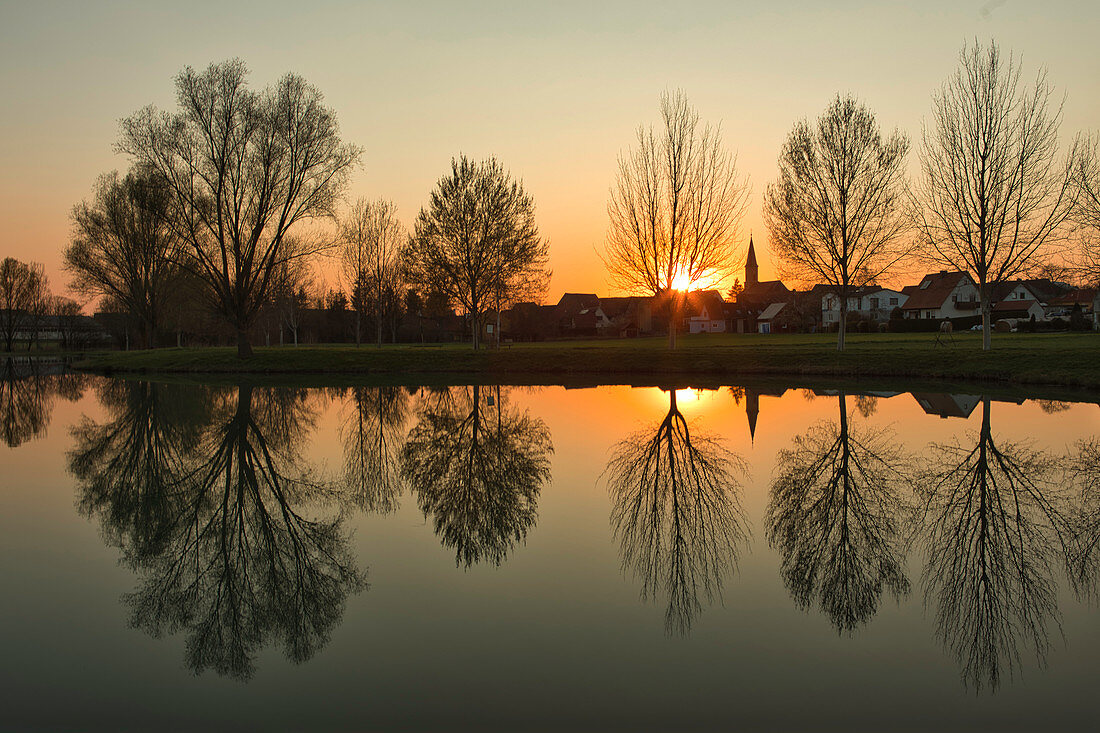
(1084,296)
(769,291)
(573,303)
(1042,288)
(934,290)
(712,300)
(771,311)
(614,307)
(1013,306)
(750,261)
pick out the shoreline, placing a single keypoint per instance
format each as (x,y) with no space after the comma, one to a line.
(1034,360)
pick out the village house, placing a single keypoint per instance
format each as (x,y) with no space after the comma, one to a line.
(871,303)
(941,295)
(706,312)
(756,296)
(629,316)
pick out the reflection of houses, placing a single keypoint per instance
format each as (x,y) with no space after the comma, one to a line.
(752,406)
(947,405)
(941,295)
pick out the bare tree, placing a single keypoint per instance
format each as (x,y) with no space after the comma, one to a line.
(371,256)
(39,305)
(992,196)
(22,286)
(675,209)
(242,168)
(476,240)
(1086,172)
(837,213)
(124,248)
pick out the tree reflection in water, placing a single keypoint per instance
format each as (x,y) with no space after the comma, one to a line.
(27,391)
(1083,477)
(230,555)
(835,516)
(477,466)
(676,513)
(372,431)
(994,526)
(129,468)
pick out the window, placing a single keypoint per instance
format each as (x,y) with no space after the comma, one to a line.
(874,304)
(893,301)
(924,284)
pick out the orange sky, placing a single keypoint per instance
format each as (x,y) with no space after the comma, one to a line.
(554,91)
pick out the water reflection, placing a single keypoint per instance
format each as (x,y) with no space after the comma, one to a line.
(214,512)
(1083,476)
(477,465)
(995,528)
(835,516)
(28,387)
(372,431)
(676,513)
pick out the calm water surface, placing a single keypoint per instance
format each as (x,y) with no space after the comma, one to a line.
(193,557)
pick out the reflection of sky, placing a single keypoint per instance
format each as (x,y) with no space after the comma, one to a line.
(557,621)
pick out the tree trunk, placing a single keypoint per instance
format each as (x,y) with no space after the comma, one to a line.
(379,319)
(673,312)
(987,324)
(244,348)
(843,324)
(358,339)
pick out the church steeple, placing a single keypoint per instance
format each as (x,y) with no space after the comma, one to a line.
(752,270)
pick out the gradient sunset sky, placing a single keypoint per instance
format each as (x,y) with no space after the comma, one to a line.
(554,90)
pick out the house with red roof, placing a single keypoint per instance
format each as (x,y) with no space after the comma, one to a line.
(941,295)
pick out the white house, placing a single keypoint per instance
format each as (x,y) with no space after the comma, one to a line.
(707,322)
(869,303)
(942,295)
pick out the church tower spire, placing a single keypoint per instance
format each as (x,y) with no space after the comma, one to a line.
(752,270)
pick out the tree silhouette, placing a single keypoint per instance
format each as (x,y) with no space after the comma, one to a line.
(835,516)
(237,561)
(477,467)
(995,529)
(372,432)
(676,513)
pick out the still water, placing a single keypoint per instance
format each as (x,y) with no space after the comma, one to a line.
(246,557)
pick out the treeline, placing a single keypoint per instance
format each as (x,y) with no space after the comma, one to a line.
(995,196)
(28,310)
(234,202)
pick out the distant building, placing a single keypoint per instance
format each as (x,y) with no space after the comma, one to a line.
(941,295)
(706,312)
(756,296)
(870,303)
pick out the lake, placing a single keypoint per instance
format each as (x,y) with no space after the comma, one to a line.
(184,556)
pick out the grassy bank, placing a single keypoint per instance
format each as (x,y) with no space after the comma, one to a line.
(1039,359)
